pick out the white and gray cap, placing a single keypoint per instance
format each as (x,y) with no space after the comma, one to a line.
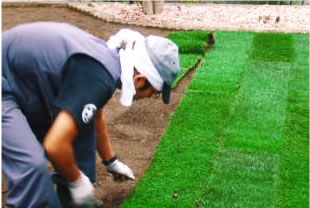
(164,55)
(155,57)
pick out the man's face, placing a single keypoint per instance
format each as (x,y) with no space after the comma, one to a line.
(143,87)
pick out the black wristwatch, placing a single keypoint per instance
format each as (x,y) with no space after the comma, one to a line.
(108,162)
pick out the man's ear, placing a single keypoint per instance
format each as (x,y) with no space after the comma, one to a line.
(139,80)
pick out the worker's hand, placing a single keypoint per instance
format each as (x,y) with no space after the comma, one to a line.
(119,170)
(82,192)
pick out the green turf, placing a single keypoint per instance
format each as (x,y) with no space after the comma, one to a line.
(193,34)
(190,42)
(239,137)
(273,47)
(294,153)
(241,179)
(258,127)
(258,114)
(191,46)
(187,61)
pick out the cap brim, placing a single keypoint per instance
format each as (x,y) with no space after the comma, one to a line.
(166,93)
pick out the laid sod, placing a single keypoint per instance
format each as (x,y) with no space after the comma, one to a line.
(192,47)
(187,61)
(197,35)
(279,47)
(293,179)
(239,137)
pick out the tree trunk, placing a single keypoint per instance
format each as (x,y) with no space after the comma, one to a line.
(147,7)
(158,6)
(153,6)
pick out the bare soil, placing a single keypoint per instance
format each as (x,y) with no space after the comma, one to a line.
(136,131)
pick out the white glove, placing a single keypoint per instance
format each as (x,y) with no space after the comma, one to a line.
(119,169)
(82,192)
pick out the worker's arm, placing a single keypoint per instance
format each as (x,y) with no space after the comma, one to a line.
(104,147)
(58,145)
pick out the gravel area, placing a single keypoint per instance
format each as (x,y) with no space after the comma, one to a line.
(260,18)
(263,18)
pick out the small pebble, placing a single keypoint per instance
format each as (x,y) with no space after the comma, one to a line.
(175,196)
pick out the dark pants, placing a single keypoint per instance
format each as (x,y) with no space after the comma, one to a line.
(24,164)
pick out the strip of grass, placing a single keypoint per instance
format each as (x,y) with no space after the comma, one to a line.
(294,153)
(190,46)
(245,170)
(184,157)
(201,35)
(258,115)
(190,42)
(240,135)
(260,119)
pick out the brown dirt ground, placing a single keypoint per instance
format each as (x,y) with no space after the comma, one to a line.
(135,132)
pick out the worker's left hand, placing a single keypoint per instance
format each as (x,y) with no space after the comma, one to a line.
(119,170)
(83,193)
